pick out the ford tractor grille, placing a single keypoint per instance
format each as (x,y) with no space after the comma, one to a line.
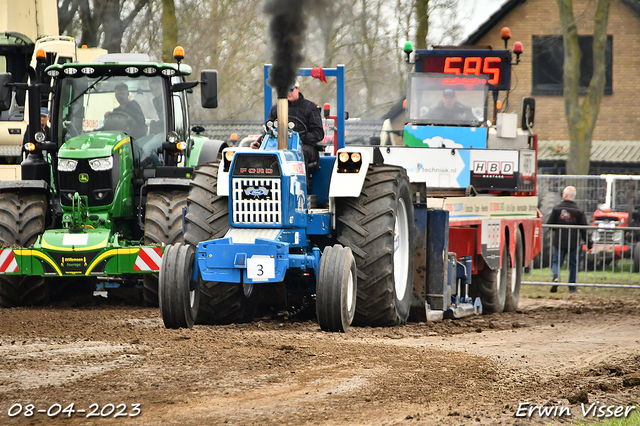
(257,201)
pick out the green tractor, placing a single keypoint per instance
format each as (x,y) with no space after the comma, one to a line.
(99,201)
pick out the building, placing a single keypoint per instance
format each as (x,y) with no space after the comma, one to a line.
(536,23)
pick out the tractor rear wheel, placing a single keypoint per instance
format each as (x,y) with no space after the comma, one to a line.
(162,225)
(491,286)
(207,219)
(514,280)
(636,258)
(378,228)
(336,290)
(22,220)
(179,295)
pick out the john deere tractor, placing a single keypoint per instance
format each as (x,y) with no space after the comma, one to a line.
(98,202)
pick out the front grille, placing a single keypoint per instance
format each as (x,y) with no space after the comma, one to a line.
(609,236)
(257,201)
(98,186)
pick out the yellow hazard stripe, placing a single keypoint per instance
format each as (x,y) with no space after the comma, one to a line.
(40,255)
(110,253)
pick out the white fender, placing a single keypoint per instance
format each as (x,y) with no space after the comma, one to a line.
(349,184)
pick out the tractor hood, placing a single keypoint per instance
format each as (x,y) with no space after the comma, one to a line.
(93,145)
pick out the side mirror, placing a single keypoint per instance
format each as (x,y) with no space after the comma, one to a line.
(209,88)
(527,112)
(5,91)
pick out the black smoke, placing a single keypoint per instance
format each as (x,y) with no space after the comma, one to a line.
(287,31)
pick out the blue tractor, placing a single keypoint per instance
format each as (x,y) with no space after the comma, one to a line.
(251,224)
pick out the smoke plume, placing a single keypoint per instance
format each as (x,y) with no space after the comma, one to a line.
(287,31)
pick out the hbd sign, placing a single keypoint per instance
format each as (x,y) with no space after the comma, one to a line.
(493,168)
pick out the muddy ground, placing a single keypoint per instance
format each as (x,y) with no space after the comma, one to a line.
(276,371)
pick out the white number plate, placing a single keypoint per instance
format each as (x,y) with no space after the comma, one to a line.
(261,268)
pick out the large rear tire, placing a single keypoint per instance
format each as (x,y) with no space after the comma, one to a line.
(162,225)
(22,220)
(491,286)
(514,280)
(378,227)
(179,295)
(636,258)
(207,219)
(336,291)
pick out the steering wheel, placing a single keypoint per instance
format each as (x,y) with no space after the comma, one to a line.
(70,128)
(117,120)
(306,131)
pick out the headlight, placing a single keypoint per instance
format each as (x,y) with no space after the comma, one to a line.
(67,165)
(617,236)
(172,137)
(99,164)
(228,155)
(355,157)
(343,157)
(40,137)
(595,236)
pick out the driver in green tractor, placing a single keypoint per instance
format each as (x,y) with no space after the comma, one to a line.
(136,126)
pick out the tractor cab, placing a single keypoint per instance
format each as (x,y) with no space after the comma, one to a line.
(110,101)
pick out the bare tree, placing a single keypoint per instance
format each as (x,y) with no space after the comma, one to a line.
(422,16)
(169,30)
(102,22)
(581,117)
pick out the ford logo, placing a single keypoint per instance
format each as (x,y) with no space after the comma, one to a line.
(256,192)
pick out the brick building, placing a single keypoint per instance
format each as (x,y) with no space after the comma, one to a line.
(536,23)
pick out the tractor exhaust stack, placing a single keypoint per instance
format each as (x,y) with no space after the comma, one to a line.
(283,122)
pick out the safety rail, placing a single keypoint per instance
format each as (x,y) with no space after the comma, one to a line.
(613,260)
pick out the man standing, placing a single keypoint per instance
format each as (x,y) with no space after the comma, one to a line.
(566,241)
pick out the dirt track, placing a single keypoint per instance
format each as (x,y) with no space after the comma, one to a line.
(473,371)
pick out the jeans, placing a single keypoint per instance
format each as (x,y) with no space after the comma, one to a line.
(558,260)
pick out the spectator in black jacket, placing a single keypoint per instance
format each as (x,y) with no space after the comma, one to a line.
(44,126)
(566,241)
(307,121)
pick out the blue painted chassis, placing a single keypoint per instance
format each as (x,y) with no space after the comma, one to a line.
(222,260)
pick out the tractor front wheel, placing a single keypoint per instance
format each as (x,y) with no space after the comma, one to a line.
(22,220)
(162,225)
(208,219)
(336,290)
(179,294)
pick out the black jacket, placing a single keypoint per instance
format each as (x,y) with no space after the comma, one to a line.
(458,113)
(567,212)
(306,117)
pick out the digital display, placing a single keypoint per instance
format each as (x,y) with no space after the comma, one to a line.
(465,64)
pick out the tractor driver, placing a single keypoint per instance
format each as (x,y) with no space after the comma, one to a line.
(136,126)
(307,121)
(450,110)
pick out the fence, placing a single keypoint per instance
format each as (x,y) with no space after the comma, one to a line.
(591,191)
(612,261)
